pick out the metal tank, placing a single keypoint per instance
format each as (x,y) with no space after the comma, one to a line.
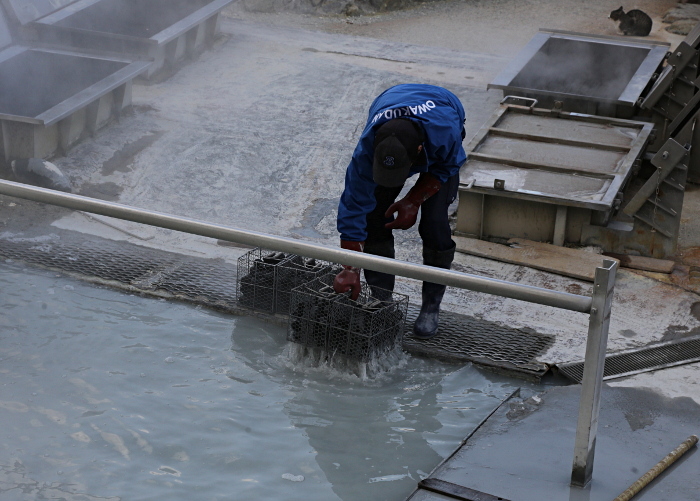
(578,152)
(581,73)
(164,31)
(49,99)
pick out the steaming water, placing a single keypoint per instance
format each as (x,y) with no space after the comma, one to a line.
(584,68)
(107,395)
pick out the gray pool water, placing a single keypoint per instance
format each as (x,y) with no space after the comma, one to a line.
(106,395)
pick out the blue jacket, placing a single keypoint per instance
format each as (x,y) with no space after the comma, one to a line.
(442,117)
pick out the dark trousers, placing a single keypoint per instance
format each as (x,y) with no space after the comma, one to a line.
(434,226)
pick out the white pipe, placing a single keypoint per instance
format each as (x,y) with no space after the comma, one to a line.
(333,254)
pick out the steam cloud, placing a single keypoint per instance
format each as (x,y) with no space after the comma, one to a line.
(591,69)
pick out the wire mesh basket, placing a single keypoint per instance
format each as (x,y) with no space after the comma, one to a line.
(361,329)
(266,278)
(309,312)
(293,272)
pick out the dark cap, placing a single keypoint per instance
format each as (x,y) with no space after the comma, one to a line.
(395,150)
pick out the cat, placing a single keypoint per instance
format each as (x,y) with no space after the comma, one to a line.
(635,22)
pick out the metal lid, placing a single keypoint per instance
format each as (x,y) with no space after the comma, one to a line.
(27,11)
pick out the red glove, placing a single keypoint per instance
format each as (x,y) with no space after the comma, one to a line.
(349,278)
(407,208)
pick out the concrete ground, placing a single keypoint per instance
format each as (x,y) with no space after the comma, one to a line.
(257,132)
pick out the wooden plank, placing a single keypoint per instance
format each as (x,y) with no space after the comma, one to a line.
(643,263)
(541,256)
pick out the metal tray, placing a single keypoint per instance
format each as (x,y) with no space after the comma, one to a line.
(587,73)
(560,158)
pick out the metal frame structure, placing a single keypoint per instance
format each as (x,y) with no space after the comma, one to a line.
(571,168)
(62,125)
(674,97)
(598,306)
(185,37)
(650,221)
(91,105)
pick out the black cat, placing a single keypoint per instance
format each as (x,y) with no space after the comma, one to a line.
(635,22)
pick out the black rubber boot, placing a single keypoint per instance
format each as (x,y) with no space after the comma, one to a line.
(426,325)
(381,284)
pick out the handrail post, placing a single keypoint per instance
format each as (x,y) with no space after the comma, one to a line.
(594,365)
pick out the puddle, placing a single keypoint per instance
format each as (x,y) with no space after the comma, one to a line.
(122,159)
(104,191)
(313,215)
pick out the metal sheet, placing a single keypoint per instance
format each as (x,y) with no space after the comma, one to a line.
(516,65)
(544,126)
(140,28)
(558,155)
(539,183)
(643,75)
(564,158)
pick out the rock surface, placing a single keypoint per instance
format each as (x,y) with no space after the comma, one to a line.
(682,18)
(338,7)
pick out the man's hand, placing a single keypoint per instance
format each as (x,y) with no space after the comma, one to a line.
(407,208)
(349,278)
(406,217)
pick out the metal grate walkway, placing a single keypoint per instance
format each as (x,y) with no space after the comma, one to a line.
(213,283)
(650,358)
(464,338)
(210,282)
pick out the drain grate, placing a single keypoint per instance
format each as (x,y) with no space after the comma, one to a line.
(650,358)
(465,338)
(211,282)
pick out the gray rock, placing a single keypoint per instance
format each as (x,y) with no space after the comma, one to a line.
(333,7)
(352,9)
(682,11)
(682,27)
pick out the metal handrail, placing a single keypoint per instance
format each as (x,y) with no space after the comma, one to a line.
(476,283)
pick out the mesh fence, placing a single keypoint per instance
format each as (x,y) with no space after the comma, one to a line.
(358,329)
(266,278)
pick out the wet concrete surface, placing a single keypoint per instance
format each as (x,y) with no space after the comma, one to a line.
(257,132)
(525,450)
